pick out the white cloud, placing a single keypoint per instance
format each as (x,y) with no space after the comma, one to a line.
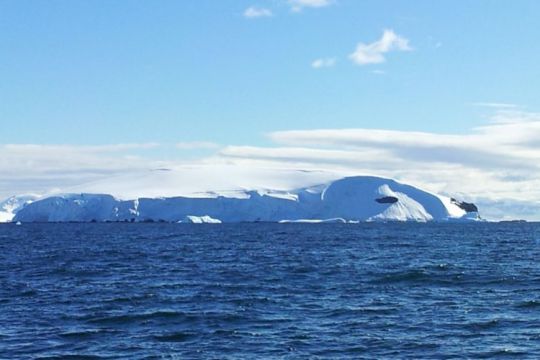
(496,105)
(323,63)
(32,168)
(257,12)
(374,53)
(298,5)
(511,140)
(192,145)
(301,154)
(496,165)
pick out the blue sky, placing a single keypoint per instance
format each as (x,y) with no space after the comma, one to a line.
(442,94)
(99,72)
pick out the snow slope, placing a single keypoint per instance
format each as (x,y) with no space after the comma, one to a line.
(358,198)
(10,206)
(203,181)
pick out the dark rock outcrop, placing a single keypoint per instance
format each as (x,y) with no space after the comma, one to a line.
(468,207)
(387,200)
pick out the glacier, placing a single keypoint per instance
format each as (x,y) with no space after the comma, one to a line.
(348,199)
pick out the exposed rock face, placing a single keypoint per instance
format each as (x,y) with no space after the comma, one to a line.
(468,207)
(387,200)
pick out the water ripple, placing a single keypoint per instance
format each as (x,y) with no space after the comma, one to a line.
(161,291)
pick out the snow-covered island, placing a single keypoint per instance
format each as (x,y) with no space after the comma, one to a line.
(350,199)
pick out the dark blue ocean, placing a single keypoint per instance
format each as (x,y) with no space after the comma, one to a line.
(263,291)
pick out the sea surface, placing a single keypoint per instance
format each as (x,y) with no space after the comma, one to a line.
(269,291)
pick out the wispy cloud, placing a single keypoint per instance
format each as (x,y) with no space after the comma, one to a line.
(323,63)
(374,53)
(35,168)
(253,12)
(496,165)
(496,105)
(48,149)
(192,145)
(298,5)
(510,141)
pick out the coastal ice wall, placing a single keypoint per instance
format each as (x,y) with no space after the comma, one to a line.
(360,198)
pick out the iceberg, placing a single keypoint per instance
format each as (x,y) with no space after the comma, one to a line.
(349,199)
(314,221)
(191,219)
